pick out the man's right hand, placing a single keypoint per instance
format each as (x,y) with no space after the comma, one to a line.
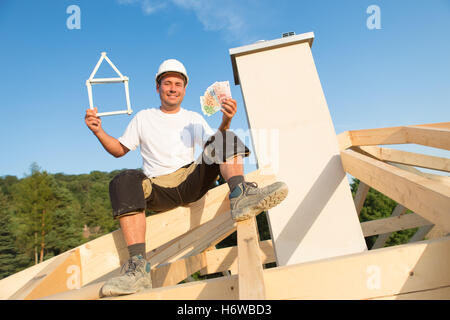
(111,144)
(92,121)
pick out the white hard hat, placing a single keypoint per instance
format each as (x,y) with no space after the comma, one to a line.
(172,65)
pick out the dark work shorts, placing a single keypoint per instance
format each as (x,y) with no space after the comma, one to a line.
(131,191)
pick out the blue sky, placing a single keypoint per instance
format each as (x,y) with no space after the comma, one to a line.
(396,75)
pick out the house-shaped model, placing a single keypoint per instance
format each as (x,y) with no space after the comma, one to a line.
(121,78)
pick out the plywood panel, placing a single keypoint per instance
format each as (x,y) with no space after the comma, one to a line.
(283,96)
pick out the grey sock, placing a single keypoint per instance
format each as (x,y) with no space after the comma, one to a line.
(234,181)
(137,248)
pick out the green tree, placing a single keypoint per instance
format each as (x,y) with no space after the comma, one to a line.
(35,203)
(66,231)
(6,184)
(377,206)
(92,193)
(10,258)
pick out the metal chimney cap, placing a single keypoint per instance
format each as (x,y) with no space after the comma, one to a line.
(288,34)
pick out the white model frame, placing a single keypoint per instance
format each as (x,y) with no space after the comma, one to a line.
(121,78)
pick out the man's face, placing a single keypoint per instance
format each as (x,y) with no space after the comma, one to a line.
(171,89)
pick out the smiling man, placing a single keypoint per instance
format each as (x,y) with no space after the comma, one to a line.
(171,91)
(171,176)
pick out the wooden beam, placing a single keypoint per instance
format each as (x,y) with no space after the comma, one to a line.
(394,223)
(344,140)
(172,273)
(209,261)
(436,233)
(64,273)
(194,241)
(433,135)
(442,125)
(367,137)
(438,178)
(409,158)
(421,233)
(360,196)
(12,283)
(367,275)
(399,210)
(440,293)
(429,136)
(88,292)
(251,280)
(378,226)
(428,198)
(225,259)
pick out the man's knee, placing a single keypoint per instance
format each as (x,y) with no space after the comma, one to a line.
(223,146)
(127,193)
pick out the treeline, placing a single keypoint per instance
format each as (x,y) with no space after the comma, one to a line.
(43,215)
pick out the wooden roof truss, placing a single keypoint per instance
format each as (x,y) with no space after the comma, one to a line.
(182,241)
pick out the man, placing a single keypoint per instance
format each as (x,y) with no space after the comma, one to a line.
(167,136)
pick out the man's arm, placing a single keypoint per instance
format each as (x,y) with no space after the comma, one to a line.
(111,144)
(229,108)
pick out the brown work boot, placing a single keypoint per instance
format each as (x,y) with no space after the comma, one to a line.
(247,200)
(136,275)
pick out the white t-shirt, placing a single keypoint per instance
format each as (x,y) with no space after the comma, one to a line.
(167,140)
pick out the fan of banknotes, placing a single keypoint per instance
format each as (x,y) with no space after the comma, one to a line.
(212,99)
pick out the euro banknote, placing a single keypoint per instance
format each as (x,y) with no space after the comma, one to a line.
(211,101)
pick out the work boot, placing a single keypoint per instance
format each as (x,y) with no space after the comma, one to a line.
(247,200)
(135,276)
